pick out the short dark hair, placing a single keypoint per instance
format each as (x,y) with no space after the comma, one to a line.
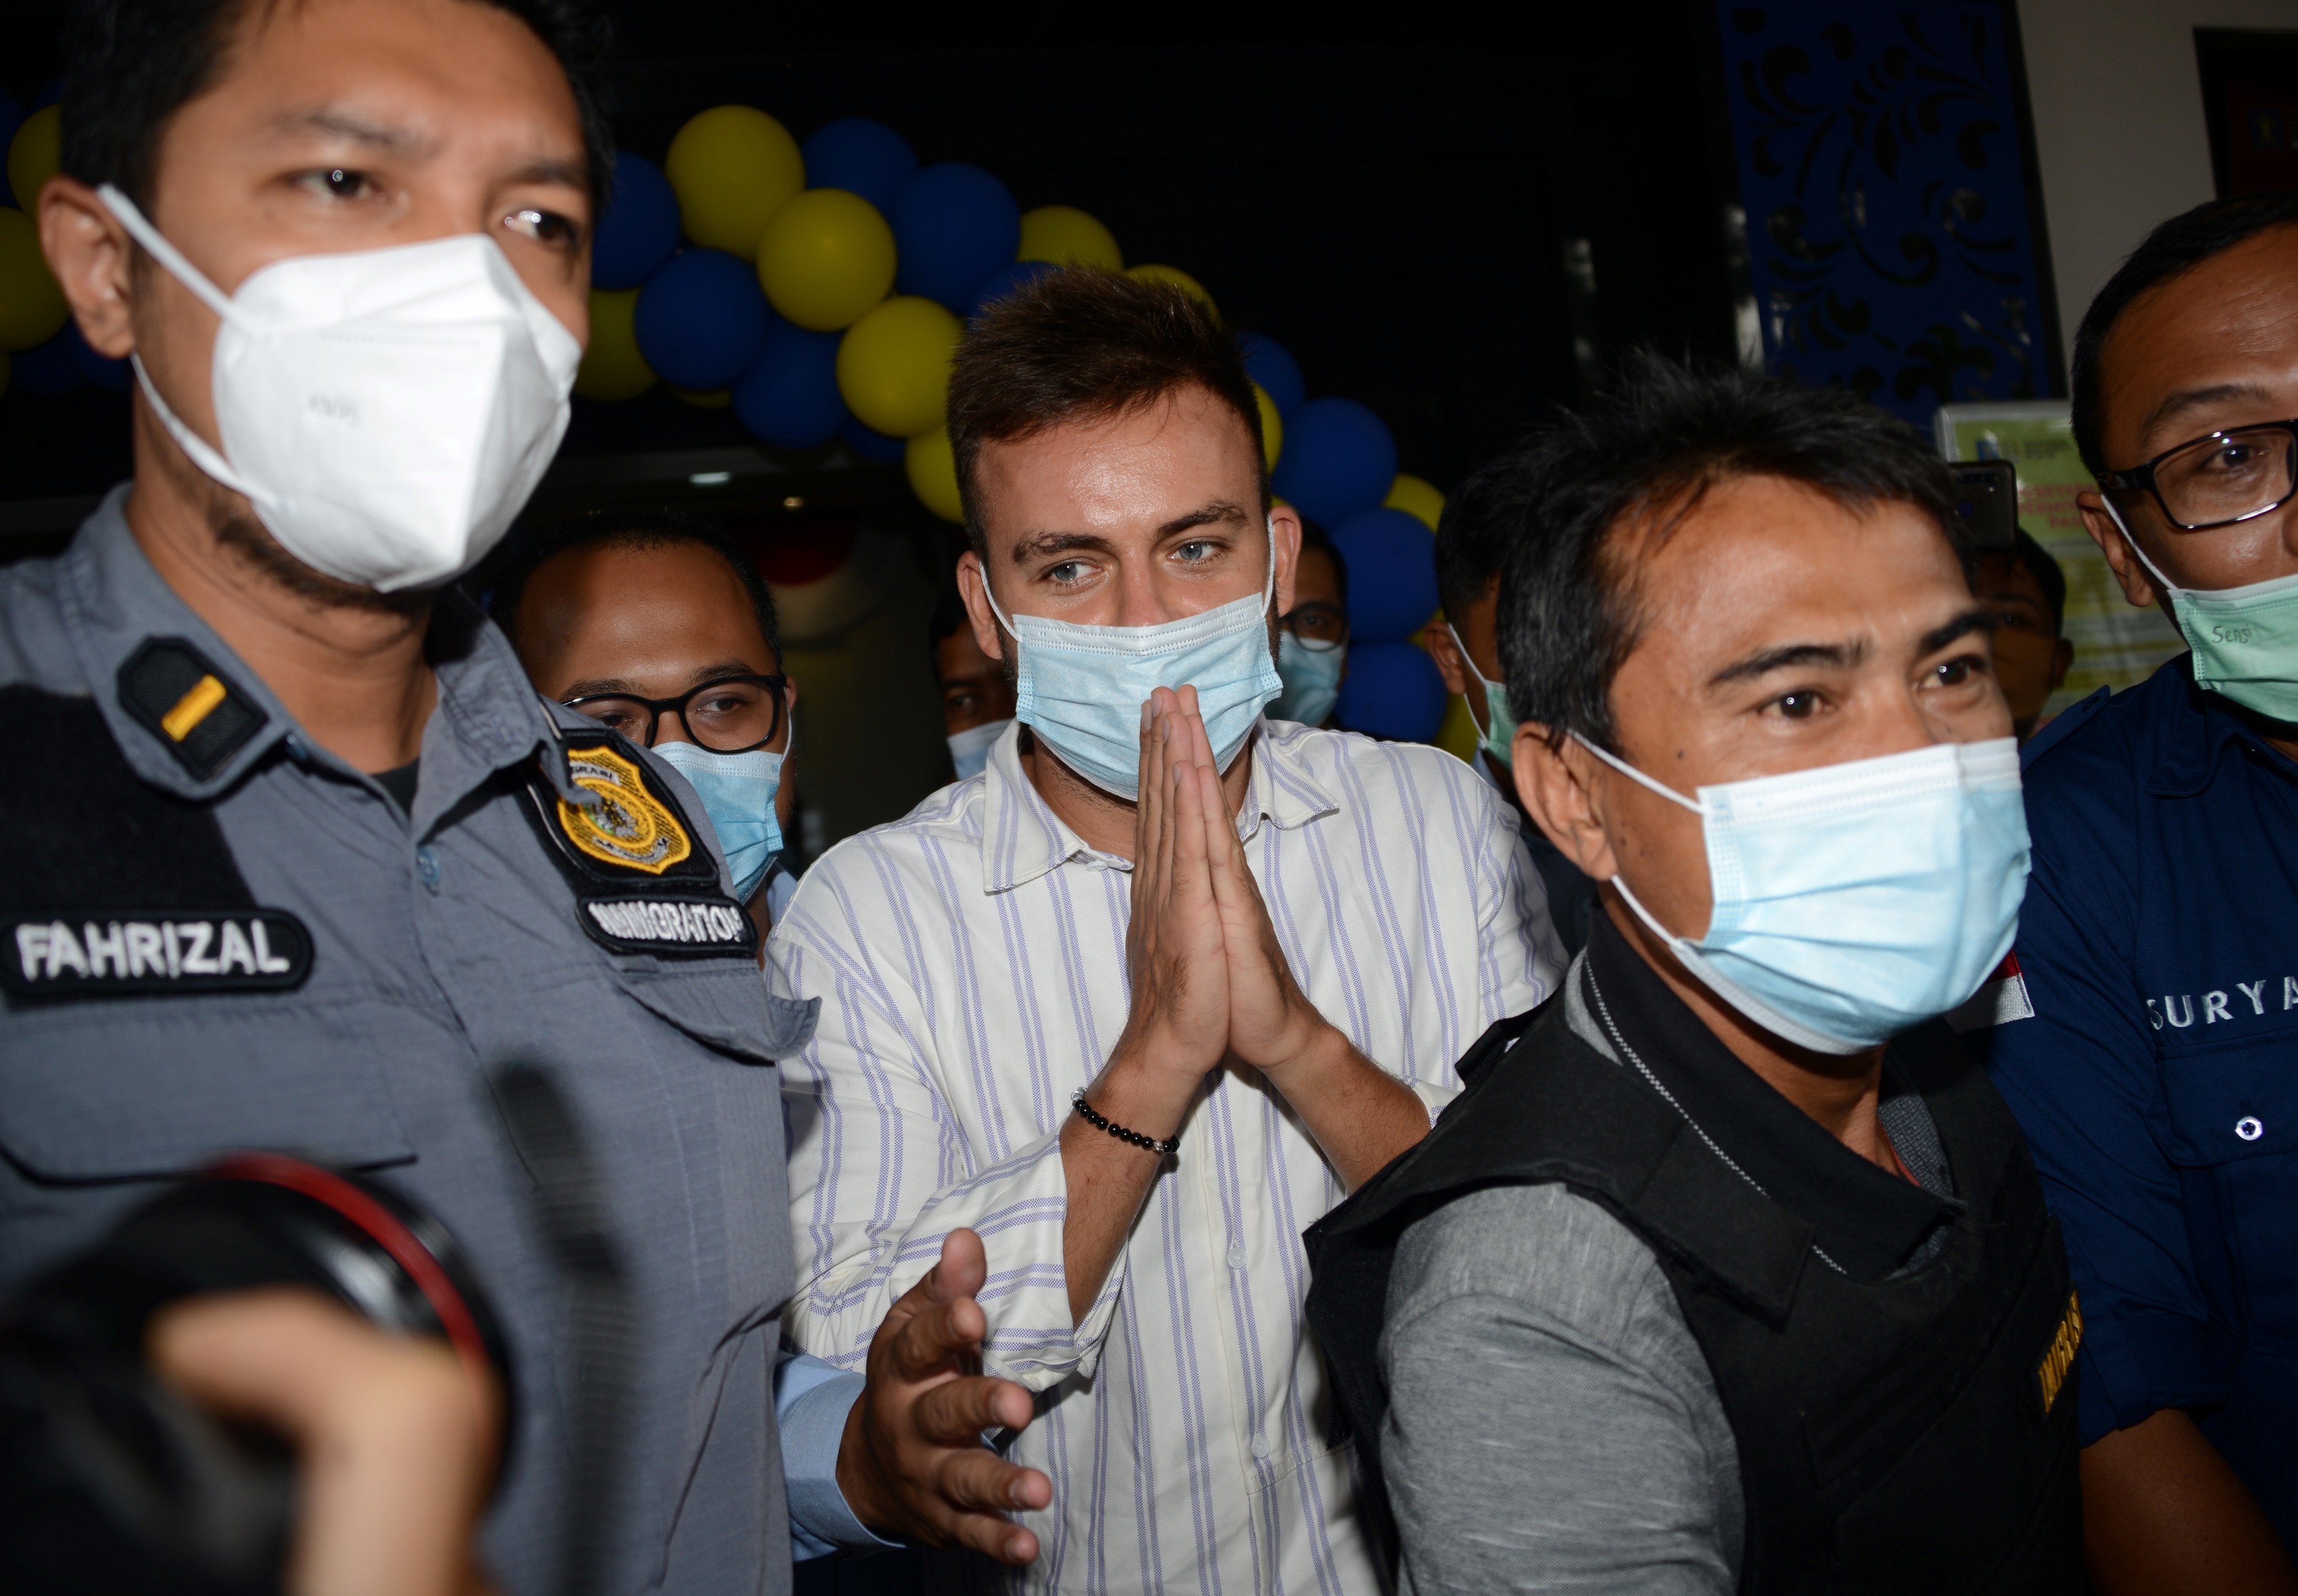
(1314,536)
(1084,344)
(2174,248)
(639,529)
(1654,443)
(130,65)
(1486,518)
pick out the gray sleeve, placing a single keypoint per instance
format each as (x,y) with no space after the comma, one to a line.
(1551,1424)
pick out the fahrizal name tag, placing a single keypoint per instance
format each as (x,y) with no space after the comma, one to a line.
(161,951)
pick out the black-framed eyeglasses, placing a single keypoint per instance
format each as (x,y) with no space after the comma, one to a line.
(728,715)
(1320,626)
(2219,478)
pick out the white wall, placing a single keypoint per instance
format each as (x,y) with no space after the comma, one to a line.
(2119,126)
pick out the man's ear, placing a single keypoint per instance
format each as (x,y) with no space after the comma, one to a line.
(1438,640)
(89,251)
(1555,782)
(1284,525)
(972,587)
(2137,585)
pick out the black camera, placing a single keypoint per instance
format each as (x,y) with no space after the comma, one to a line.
(115,1483)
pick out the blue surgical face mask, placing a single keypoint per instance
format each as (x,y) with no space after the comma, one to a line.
(1080,688)
(1311,678)
(1856,900)
(1500,722)
(738,792)
(969,750)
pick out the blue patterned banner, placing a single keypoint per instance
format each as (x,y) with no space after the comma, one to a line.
(1889,232)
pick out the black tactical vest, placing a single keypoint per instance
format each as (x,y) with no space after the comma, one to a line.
(1913,1434)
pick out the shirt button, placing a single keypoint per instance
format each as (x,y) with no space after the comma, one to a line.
(296,750)
(1237,1254)
(1260,1448)
(2250,1128)
(426,865)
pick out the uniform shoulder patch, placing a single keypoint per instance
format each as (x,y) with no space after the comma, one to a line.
(643,882)
(176,693)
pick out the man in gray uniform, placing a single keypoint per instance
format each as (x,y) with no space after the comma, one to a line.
(305,863)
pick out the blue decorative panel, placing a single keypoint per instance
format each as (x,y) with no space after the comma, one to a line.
(1888,227)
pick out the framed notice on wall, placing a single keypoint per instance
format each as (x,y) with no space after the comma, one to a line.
(2117,645)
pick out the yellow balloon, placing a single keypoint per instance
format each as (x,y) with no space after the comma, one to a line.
(732,167)
(612,367)
(1179,279)
(893,366)
(36,154)
(1459,736)
(1416,496)
(706,398)
(933,474)
(827,257)
(1068,236)
(1272,428)
(32,308)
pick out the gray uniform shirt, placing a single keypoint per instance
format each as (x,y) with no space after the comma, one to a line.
(1552,1425)
(444,946)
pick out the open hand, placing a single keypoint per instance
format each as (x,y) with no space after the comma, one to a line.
(912,1463)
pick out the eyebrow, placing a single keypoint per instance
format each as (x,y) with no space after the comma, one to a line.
(342,124)
(1963,626)
(595,687)
(1211,514)
(2195,398)
(573,174)
(1058,542)
(1836,656)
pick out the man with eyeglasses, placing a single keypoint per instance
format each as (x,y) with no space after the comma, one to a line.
(1313,637)
(2150,1059)
(656,625)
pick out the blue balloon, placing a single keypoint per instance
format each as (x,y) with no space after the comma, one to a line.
(872,445)
(861,157)
(1005,280)
(113,377)
(639,230)
(46,369)
(953,224)
(1394,690)
(1269,363)
(1338,460)
(1391,572)
(790,398)
(702,319)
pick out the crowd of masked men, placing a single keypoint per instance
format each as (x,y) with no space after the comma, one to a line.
(1784,1116)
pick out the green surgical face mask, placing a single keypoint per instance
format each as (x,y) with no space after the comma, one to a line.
(2245,639)
(1500,721)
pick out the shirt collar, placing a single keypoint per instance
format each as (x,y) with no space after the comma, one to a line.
(2194,736)
(115,604)
(1022,839)
(1868,1220)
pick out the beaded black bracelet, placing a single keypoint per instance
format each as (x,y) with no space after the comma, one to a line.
(1164,1149)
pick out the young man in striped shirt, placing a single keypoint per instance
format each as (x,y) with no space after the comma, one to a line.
(1148,995)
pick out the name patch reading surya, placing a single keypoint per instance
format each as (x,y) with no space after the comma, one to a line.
(165,951)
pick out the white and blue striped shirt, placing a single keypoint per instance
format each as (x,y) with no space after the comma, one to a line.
(971,961)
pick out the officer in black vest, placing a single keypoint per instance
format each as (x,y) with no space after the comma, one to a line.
(1729,1270)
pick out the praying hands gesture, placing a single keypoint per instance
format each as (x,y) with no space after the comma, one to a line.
(1211,987)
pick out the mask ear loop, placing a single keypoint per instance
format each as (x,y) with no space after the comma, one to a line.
(2170,589)
(201,453)
(1633,775)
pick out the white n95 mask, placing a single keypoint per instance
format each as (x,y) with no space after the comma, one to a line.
(387,412)
(1080,687)
(1856,900)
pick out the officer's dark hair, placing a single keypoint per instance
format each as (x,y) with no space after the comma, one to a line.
(130,65)
(1482,520)
(2175,247)
(1642,456)
(1085,344)
(636,528)
(1314,536)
